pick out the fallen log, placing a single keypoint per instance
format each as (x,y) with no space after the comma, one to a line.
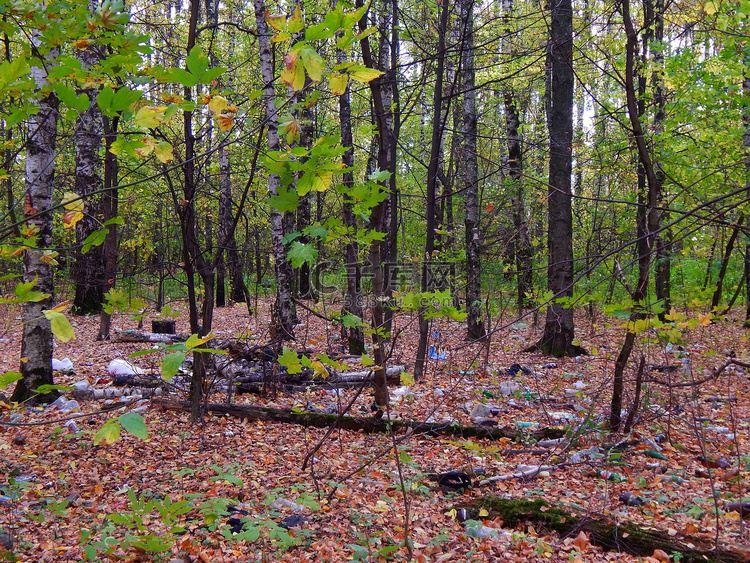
(153,337)
(364,424)
(603,530)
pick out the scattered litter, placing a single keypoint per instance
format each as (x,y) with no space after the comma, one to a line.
(522,472)
(551,443)
(579,456)
(437,353)
(480,410)
(550,365)
(280,503)
(65,405)
(629,499)
(292,521)
(455,480)
(610,476)
(508,387)
(118,366)
(478,530)
(62,365)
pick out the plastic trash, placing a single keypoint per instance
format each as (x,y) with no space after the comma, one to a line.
(72,426)
(438,392)
(509,387)
(62,365)
(550,365)
(437,353)
(118,366)
(526,424)
(280,503)
(610,476)
(551,443)
(478,530)
(402,391)
(629,499)
(65,405)
(480,410)
(82,386)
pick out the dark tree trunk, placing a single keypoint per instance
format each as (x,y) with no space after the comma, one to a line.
(559,331)
(432,171)
(469,176)
(378,251)
(648,216)
(716,299)
(353,300)
(36,343)
(88,269)
(109,211)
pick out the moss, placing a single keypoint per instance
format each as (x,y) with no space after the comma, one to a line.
(602,530)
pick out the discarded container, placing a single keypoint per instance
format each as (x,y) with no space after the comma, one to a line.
(280,503)
(62,365)
(118,366)
(610,476)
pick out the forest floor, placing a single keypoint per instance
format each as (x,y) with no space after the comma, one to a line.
(350,499)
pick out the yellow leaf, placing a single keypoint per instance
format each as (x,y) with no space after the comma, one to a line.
(483,513)
(149,117)
(295,23)
(225,121)
(365,74)
(276,21)
(710,8)
(72,202)
(217,104)
(70,218)
(338,83)
(321,182)
(163,151)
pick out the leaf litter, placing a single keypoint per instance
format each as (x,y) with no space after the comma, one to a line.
(688,446)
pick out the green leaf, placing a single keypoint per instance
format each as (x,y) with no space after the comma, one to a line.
(8,378)
(366,360)
(211,74)
(171,364)
(180,76)
(313,63)
(319,31)
(301,253)
(286,200)
(290,360)
(197,62)
(107,434)
(60,325)
(350,320)
(289,237)
(134,423)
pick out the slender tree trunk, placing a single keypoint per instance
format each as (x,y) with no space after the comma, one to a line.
(36,343)
(648,216)
(283,310)
(432,171)
(716,299)
(87,271)
(109,211)
(470,176)
(353,300)
(746,145)
(559,330)
(379,223)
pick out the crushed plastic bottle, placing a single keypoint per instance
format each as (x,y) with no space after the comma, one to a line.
(280,503)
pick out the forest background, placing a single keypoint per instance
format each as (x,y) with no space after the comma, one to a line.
(464,161)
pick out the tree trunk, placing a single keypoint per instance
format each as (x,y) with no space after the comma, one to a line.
(559,330)
(353,300)
(109,211)
(432,170)
(378,222)
(283,316)
(746,145)
(716,299)
(648,216)
(36,344)
(87,271)
(469,176)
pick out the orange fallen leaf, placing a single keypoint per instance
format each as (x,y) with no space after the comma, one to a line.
(582,541)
